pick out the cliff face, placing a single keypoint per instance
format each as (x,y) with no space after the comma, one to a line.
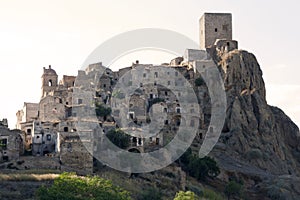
(257,139)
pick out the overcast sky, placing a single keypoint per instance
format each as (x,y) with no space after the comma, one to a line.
(34,34)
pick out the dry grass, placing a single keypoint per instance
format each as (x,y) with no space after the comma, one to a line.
(27,177)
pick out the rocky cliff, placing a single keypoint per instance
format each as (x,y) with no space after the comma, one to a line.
(259,143)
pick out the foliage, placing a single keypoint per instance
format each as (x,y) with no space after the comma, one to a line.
(151,194)
(102,111)
(68,186)
(119,138)
(200,168)
(188,195)
(254,154)
(199,81)
(210,194)
(233,189)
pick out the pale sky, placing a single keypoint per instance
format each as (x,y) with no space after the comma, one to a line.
(34,34)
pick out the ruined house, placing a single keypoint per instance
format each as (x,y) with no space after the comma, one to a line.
(11,143)
(49,126)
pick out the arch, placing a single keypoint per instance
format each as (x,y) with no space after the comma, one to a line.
(50,83)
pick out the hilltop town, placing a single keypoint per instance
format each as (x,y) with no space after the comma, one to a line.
(259,144)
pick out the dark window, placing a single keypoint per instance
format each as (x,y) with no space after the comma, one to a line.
(216,30)
(166,122)
(144,75)
(28,131)
(79,101)
(48,137)
(3,144)
(66,129)
(140,141)
(50,83)
(155,74)
(157,141)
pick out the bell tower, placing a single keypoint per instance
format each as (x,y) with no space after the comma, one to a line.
(49,81)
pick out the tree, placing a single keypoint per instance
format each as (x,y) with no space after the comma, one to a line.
(199,81)
(188,195)
(200,168)
(119,138)
(102,111)
(233,189)
(68,186)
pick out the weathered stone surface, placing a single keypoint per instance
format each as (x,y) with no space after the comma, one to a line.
(261,141)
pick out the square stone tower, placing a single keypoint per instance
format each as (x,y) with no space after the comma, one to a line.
(215,26)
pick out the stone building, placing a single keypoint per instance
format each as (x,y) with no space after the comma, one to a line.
(140,97)
(11,143)
(214,26)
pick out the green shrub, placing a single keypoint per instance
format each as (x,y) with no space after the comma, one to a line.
(233,189)
(201,168)
(68,186)
(150,194)
(199,81)
(119,138)
(102,111)
(188,195)
(211,195)
(254,154)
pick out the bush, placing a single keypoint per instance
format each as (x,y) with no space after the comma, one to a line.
(188,195)
(200,168)
(210,194)
(150,194)
(102,111)
(119,138)
(199,81)
(233,189)
(254,154)
(68,186)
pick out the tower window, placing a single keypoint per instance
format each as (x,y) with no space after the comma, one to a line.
(50,83)
(48,137)
(216,30)
(3,143)
(225,27)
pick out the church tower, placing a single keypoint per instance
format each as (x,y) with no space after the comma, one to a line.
(49,81)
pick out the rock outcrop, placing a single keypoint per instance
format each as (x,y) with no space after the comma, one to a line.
(259,143)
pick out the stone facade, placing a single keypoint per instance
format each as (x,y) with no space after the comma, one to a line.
(11,143)
(214,26)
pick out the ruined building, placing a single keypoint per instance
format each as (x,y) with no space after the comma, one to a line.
(49,126)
